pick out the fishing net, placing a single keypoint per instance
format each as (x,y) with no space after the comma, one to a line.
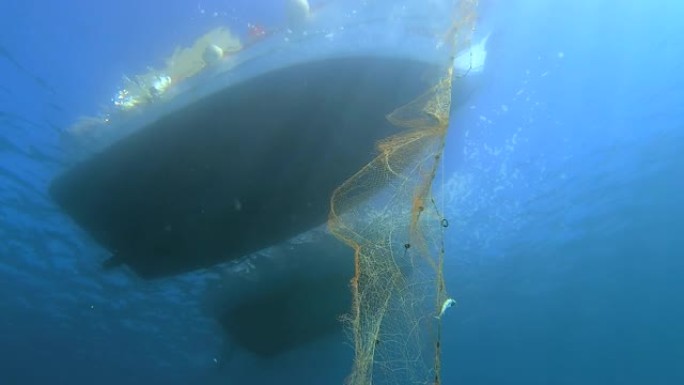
(397,235)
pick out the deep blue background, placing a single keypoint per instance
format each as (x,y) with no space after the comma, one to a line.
(564,187)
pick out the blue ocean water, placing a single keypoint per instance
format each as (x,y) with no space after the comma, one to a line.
(564,188)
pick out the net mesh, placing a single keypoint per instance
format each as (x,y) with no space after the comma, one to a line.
(397,235)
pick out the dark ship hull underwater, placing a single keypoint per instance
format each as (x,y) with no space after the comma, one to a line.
(289,300)
(239,170)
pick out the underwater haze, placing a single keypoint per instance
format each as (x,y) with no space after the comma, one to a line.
(562,181)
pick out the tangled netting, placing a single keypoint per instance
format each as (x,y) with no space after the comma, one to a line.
(397,235)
